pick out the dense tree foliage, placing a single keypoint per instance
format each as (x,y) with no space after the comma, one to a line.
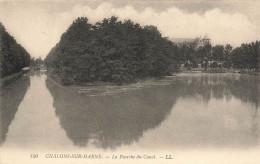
(246,56)
(111,51)
(13,57)
(218,53)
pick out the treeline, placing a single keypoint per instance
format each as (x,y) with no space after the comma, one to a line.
(111,51)
(13,57)
(244,57)
(121,52)
(36,61)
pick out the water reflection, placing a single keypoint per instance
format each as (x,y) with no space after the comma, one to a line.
(112,120)
(123,118)
(11,97)
(230,115)
(220,86)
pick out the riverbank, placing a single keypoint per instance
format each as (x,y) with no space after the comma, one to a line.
(105,89)
(11,78)
(141,83)
(56,79)
(221,70)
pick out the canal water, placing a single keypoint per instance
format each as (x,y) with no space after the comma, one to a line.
(186,112)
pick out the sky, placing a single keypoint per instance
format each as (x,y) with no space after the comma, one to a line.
(38,25)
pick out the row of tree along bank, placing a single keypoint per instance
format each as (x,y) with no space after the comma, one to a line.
(111,51)
(13,57)
(245,57)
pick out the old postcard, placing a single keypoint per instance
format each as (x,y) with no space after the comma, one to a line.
(120,81)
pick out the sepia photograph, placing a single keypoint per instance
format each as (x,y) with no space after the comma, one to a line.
(129,81)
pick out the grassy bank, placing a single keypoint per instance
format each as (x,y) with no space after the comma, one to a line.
(53,75)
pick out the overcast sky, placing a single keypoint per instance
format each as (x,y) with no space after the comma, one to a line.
(37,26)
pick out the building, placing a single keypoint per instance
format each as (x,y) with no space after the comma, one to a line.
(196,42)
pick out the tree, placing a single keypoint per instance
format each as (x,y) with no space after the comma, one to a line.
(13,57)
(111,51)
(204,54)
(246,56)
(218,53)
(227,51)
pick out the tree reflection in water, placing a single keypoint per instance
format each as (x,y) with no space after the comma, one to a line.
(111,120)
(11,97)
(121,118)
(246,88)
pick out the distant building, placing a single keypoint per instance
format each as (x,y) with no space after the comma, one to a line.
(196,42)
